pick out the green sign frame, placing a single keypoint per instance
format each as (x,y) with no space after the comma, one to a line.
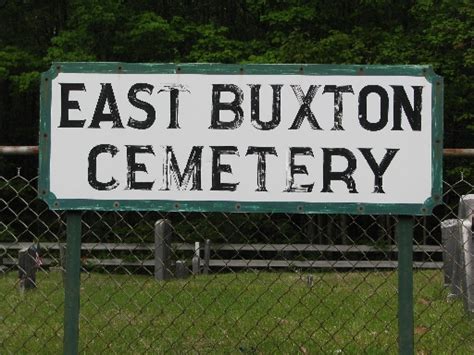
(233,206)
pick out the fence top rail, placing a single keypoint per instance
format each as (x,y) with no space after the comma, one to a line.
(232,247)
(19,150)
(242,263)
(458,152)
(33,150)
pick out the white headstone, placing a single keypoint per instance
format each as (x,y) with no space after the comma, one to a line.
(449,229)
(466,206)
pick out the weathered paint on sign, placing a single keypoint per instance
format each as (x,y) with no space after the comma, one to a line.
(210,138)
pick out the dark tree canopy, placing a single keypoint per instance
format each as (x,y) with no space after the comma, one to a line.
(34,33)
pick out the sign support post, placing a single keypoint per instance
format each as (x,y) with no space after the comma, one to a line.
(404,235)
(72,283)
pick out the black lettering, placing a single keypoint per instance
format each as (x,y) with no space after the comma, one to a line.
(218,168)
(294,169)
(106,96)
(255,107)
(192,170)
(174,90)
(345,175)
(305,109)
(338,91)
(378,169)
(261,164)
(234,106)
(133,167)
(383,120)
(174,106)
(92,169)
(413,113)
(67,105)
(145,106)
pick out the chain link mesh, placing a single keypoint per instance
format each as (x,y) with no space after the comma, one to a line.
(275,283)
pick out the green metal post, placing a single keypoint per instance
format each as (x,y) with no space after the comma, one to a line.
(72,283)
(404,235)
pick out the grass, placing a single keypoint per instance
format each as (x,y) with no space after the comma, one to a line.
(251,313)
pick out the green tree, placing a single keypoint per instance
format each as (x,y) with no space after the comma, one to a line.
(34,33)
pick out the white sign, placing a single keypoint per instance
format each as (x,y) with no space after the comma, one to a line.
(247,138)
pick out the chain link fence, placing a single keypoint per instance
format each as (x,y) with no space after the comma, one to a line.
(256,283)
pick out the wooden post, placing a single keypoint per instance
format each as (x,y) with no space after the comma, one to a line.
(196,260)
(207,256)
(27,268)
(163,236)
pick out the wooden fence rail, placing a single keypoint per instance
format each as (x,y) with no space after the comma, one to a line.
(343,262)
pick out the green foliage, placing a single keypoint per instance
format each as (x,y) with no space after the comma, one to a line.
(154,38)
(214,46)
(69,46)
(32,35)
(14,60)
(27,81)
